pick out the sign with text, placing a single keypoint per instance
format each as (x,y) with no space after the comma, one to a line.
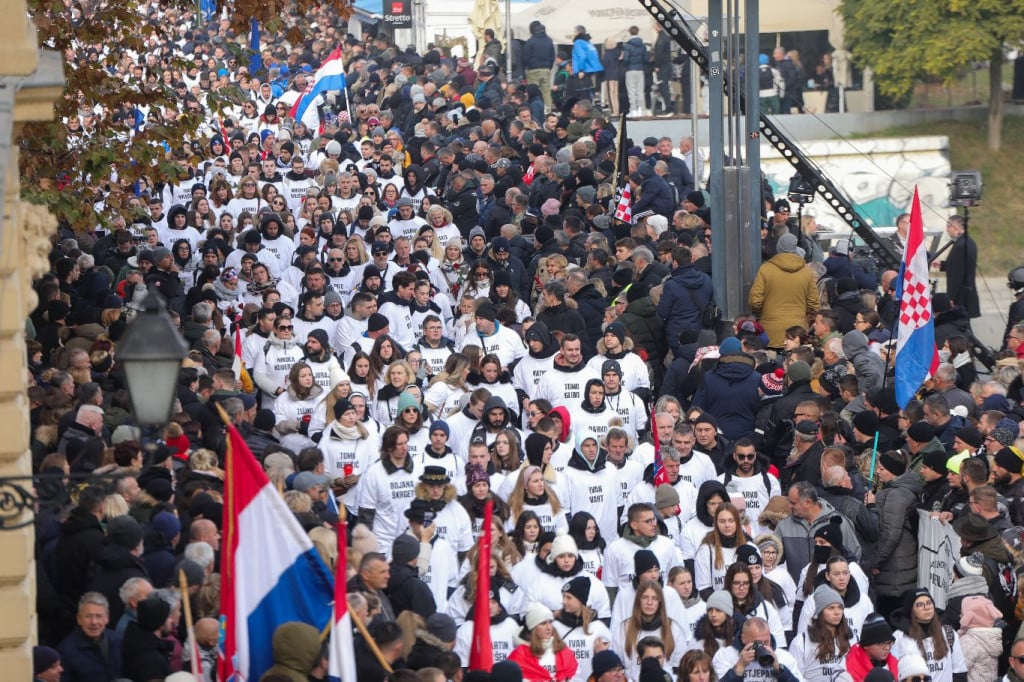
(398,13)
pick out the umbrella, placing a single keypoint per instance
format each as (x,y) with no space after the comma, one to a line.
(485,15)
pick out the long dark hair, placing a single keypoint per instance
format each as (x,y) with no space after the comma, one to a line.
(708,636)
(517,533)
(828,637)
(933,629)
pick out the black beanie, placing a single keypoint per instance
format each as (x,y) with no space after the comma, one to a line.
(643,561)
(578,587)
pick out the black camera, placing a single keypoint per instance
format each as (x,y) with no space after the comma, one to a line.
(763,656)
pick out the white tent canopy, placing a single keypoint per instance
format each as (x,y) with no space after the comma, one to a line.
(611,18)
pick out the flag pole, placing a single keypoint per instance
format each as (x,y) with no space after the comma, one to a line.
(197,663)
(370,642)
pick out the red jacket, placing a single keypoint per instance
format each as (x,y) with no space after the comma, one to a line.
(858,664)
(565,665)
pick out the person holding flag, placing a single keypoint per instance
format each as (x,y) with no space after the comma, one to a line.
(916,355)
(330,77)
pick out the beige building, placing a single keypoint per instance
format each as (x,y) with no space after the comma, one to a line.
(30,82)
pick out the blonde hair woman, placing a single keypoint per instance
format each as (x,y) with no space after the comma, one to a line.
(444,391)
(532,493)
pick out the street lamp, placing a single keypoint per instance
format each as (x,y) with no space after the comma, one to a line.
(151,351)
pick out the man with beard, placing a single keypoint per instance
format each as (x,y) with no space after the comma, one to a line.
(494,418)
(312,316)
(406,223)
(564,384)
(614,345)
(1006,474)
(804,461)
(747,474)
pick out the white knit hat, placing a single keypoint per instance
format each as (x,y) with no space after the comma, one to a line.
(912,665)
(537,614)
(563,544)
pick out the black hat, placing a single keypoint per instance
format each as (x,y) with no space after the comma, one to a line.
(866,422)
(696,198)
(509,671)
(650,142)
(404,549)
(970,435)
(611,366)
(543,234)
(365,213)
(151,613)
(341,407)
(616,328)
(644,560)
(435,475)
(420,511)
(910,596)
(603,662)
(160,488)
(780,205)
(578,587)
(486,311)
(974,528)
(832,532)
(43,658)
(896,464)
(376,323)
(936,461)
(502,278)
(1009,458)
(748,555)
(875,630)
(921,431)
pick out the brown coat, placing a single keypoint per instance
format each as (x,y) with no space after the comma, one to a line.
(784,294)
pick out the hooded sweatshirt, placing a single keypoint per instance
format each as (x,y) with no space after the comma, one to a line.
(592,486)
(531,367)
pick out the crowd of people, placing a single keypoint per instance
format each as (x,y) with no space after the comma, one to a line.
(437,309)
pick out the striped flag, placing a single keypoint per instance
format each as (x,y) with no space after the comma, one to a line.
(624,205)
(916,355)
(270,572)
(342,659)
(329,77)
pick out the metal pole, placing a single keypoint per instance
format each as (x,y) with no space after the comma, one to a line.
(508,40)
(695,119)
(716,141)
(750,250)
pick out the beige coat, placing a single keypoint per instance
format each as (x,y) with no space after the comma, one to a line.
(784,294)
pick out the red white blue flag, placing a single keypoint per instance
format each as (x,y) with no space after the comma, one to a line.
(328,78)
(916,356)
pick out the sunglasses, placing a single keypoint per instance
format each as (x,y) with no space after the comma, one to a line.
(746,458)
(285,327)
(335,260)
(920,678)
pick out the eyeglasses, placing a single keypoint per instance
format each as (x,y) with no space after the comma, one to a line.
(650,520)
(741,583)
(1019,659)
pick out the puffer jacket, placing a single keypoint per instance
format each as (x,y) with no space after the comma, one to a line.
(687,292)
(867,364)
(539,50)
(896,551)
(982,648)
(591,306)
(584,56)
(634,54)
(645,327)
(729,393)
(784,294)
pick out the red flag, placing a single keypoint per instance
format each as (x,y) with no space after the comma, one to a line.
(342,658)
(481,655)
(224,136)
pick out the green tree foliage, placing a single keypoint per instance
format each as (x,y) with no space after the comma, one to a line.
(98,38)
(907,40)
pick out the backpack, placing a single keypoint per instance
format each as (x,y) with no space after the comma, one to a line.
(765,79)
(709,314)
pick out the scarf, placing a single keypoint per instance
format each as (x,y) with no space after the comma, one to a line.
(728,542)
(259,289)
(225,294)
(569,620)
(637,540)
(961,359)
(535,501)
(346,432)
(650,625)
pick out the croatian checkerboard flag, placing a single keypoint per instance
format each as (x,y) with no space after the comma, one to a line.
(329,77)
(916,356)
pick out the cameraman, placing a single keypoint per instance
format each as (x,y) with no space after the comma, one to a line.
(756,659)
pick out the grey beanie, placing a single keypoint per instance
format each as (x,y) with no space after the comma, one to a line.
(825,596)
(722,601)
(562,170)
(787,243)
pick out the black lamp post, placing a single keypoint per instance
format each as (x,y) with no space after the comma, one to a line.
(151,352)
